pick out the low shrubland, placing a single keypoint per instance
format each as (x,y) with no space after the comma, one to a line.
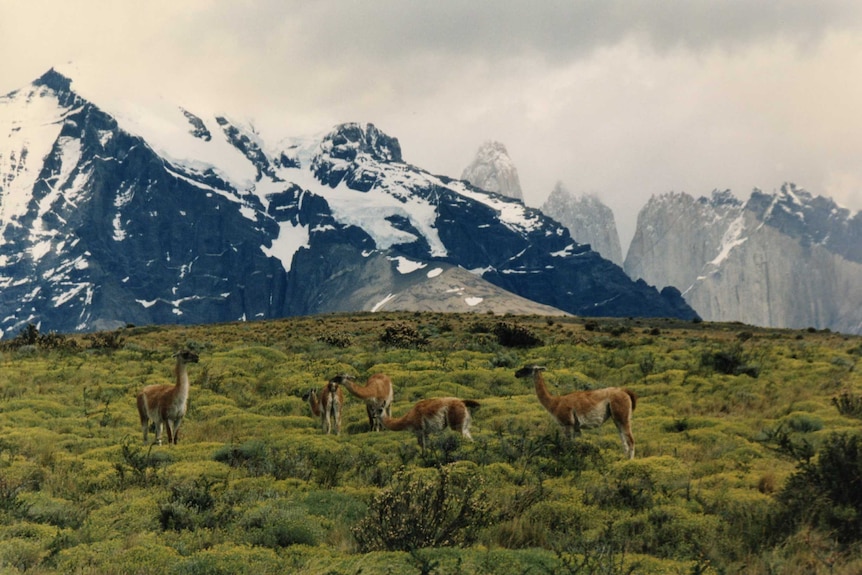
(748,451)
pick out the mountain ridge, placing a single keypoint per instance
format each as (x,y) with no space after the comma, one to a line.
(197,219)
(785,259)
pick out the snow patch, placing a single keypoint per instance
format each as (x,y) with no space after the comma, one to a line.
(291,238)
(473,301)
(119,233)
(406,266)
(434,273)
(732,238)
(68,295)
(382,302)
(565,252)
(372,210)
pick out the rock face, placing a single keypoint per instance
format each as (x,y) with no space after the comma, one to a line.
(588,219)
(492,170)
(186,218)
(786,259)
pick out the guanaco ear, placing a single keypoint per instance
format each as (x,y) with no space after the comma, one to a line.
(539,367)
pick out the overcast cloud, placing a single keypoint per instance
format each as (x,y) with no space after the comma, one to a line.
(623,99)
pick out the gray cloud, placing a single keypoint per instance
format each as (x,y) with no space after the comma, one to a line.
(624,99)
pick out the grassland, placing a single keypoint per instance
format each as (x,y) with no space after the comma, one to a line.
(748,457)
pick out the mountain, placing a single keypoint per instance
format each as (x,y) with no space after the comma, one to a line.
(786,259)
(166,216)
(588,219)
(492,170)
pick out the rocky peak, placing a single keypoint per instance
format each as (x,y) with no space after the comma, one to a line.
(54,80)
(722,198)
(347,141)
(492,170)
(812,220)
(588,219)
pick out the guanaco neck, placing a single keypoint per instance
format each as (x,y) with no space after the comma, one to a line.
(545,397)
(395,423)
(360,392)
(182,387)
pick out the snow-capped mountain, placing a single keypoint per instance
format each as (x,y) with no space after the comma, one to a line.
(493,170)
(588,219)
(786,259)
(165,216)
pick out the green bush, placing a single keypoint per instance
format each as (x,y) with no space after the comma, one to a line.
(632,488)
(276,524)
(190,506)
(848,405)
(513,335)
(336,339)
(827,493)
(731,361)
(443,509)
(254,456)
(141,465)
(403,336)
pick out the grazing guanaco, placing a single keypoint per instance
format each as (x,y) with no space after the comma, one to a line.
(432,416)
(587,409)
(376,394)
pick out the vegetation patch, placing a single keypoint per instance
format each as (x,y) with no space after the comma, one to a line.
(747,450)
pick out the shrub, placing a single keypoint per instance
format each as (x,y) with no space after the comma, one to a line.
(403,336)
(105,340)
(330,467)
(513,335)
(274,524)
(190,506)
(254,456)
(139,467)
(30,336)
(647,364)
(804,423)
(336,339)
(633,488)
(9,500)
(606,553)
(446,509)
(732,361)
(800,449)
(848,405)
(504,359)
(827,494)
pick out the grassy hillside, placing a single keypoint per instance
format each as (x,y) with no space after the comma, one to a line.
(747,451)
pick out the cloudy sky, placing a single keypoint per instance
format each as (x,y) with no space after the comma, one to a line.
(623,99)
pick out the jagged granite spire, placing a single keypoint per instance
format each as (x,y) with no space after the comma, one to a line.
(492,170)
(589,221)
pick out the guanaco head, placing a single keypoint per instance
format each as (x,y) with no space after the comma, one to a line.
(309,395)
(341,378)
(529,371)
(379,412)
(332,384)
(186,356)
